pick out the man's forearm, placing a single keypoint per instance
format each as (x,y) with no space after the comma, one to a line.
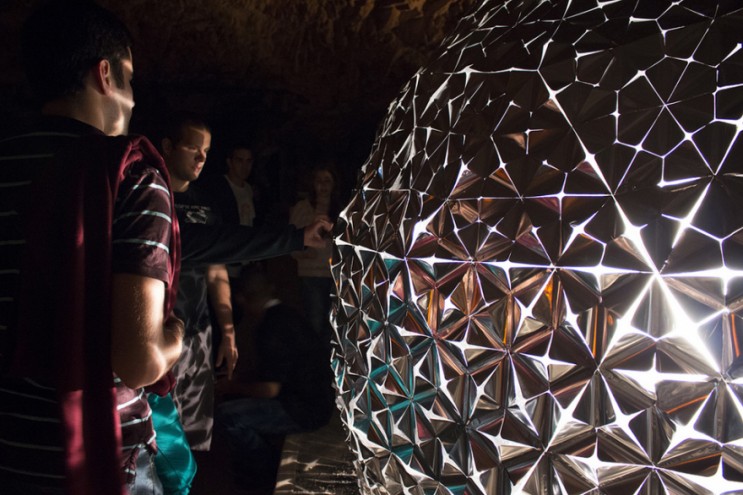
(144,343)
(218,286)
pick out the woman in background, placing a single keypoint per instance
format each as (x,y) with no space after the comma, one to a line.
(313,265)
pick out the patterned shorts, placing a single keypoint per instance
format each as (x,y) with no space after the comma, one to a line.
(194,391)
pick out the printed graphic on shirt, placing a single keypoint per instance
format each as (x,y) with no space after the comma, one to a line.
(194,213)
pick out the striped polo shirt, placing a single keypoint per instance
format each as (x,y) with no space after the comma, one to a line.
(31,444)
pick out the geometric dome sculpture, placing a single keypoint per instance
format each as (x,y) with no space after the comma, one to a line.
(540,275)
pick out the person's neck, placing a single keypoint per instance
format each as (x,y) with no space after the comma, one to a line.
(74,108)
(235,180)
(178,185)
(322,203)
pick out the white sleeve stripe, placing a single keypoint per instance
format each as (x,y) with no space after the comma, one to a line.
(28,396)
(40,133)
(153,186)
(37,384)
(124,405)
(39,419)
(135,422)
(31,446)
(145,212)
(135,446)
(26,157)
(32,473)
(139,397)
(20,183)
(138,420)
(143,241)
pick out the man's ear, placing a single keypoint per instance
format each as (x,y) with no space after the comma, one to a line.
(102,76)
(167,146)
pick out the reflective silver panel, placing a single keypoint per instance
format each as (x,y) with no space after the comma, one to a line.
(540,276)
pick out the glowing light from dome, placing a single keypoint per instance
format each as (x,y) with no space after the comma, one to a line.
(540,279)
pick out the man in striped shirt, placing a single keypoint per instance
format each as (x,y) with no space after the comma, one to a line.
(79,63)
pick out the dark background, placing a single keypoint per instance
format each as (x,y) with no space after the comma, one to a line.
(302,80)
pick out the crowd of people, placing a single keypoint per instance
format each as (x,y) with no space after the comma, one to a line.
(137,320)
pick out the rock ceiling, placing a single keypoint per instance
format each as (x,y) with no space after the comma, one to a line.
(320,68)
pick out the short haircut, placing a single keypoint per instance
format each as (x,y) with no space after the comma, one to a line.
(180,121)
(61,41)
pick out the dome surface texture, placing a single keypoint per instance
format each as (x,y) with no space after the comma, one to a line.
(540,276)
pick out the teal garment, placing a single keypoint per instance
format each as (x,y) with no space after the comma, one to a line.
(174,461)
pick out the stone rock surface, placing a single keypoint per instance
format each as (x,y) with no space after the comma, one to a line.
(316,68)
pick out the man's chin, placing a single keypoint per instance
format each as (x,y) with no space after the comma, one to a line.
(119,129)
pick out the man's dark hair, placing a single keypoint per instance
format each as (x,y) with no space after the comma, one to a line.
(180,121)
(61,41)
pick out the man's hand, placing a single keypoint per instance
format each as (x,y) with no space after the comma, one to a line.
(227,353)
(174,328)
(317,233)
(218,287)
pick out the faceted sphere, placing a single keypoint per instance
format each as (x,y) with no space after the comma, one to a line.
(540,277)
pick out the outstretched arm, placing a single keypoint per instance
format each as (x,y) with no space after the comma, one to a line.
(212,244)
(317,234)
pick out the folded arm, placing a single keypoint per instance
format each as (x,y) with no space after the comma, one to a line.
(144,343)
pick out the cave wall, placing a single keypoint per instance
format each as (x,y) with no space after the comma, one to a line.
(303,79)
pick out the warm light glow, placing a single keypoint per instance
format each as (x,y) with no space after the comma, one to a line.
(540,279)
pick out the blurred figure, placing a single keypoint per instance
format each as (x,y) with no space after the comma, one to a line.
(313,265)
(233,195)
(232,192)
(282,386)
(239,207)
